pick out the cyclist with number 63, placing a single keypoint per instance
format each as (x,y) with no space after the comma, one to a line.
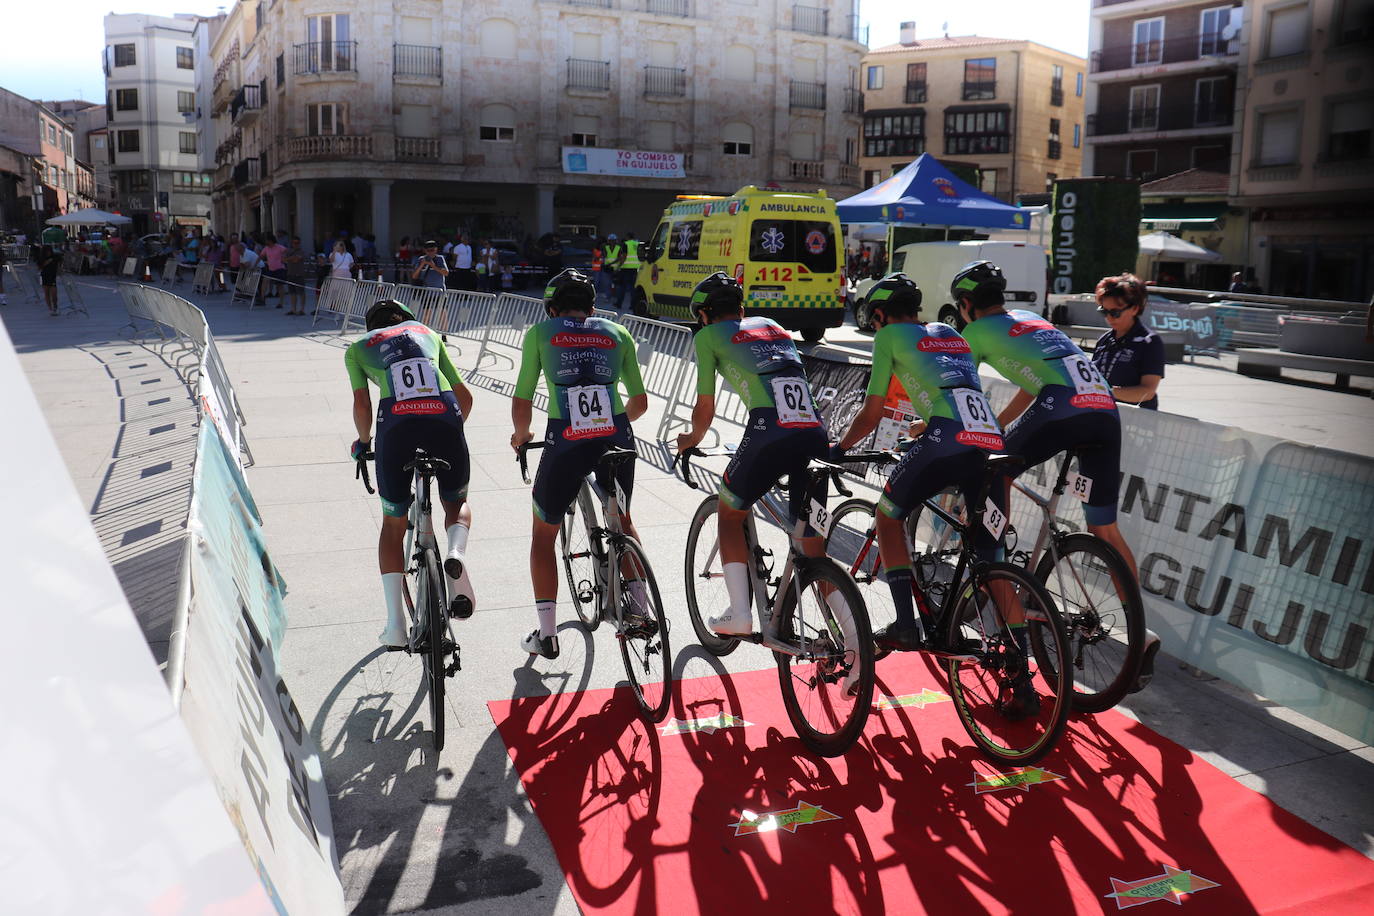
(935,368)
(1063,403)
(422,405)
(582,359)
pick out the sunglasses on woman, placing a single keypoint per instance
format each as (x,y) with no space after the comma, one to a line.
(1113,313)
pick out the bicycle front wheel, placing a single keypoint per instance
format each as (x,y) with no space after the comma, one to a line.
(1013,704)
(852,542)
(828,689)
(582,555)
(434,619)
(1098,598)
(704,579)
(643,634)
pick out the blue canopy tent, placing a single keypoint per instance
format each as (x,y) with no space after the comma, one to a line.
(926,193)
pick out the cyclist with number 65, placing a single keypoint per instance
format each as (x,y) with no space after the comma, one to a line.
(935,368)
(422,405)
(1063,403)
(583,360)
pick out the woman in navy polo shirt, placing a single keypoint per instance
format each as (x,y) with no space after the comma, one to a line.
(1130,356)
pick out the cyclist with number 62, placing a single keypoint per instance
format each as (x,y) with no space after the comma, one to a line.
(422,405)
(583,359)
(933,364)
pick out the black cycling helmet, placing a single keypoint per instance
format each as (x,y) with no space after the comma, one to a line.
(897,295)
(975,277)
(570,289)
(718,294)
(379,315)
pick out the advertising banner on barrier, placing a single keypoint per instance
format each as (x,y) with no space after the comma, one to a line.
(235,703)
(1194,320)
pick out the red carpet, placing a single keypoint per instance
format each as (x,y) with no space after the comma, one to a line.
(721,810)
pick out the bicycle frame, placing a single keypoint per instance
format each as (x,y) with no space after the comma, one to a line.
(610,531)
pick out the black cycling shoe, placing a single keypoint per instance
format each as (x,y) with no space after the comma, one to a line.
(1024,702)
(1147,663)
(534,645)
(460,607)
(897,638)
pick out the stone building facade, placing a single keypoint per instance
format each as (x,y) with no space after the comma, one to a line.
(444,115)
(30,128)
(1013,109)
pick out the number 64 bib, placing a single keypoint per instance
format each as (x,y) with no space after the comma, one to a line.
(590,411)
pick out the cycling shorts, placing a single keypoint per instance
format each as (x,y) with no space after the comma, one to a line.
(766,454)
(567,462)
(398,436)
(934,461)
(1052,425)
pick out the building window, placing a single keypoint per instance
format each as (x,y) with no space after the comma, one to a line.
(1277,137)
(136,181)
(1077,136)
(281,70)
(127,141)
(1057,85)
(497,38)
(186,101)
(1211,102)
(1078,85)
(1348,131)
(1142,163)
(980,78)
(126,100)
(124,56)
(851,151)
(987,181)
(738,139)
(497,123)
(740,64)
(1144,110)
(1212,29)
(324,120)
(895,134)
(186,141)
(875,78)
(1147,42)
(330,44)
(52,134)
(1354,22)
(1055,148)
(915,84)
(186,59)
(1285,31)
(584,130)
(976,132)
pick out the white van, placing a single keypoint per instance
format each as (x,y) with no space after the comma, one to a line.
(932,265)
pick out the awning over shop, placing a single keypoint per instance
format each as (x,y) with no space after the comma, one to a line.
(1181,216)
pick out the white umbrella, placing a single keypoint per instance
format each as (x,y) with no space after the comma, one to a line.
(91,217)
(1162,246)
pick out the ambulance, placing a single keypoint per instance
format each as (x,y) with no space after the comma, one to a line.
(785,248)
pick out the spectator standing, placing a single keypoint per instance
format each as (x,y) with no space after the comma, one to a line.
(404,254)
(1130,356)
(340,261)
(627,273)
(49,263)
(273,253)
(462,264)
(431,270)
(489,265)
(235,257)
(295,276)
(613,255)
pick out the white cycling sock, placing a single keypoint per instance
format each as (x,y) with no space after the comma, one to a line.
(840,608)
(393,586)
(457,540)
(737,585)
(548,617)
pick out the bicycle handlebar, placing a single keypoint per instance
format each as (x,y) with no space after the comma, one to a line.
(361,472)
(521,455)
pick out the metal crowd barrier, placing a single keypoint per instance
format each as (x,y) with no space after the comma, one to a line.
(246,286)
(365,294)
(204,275)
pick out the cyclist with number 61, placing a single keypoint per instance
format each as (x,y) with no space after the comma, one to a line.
(583,360)
(422,405)
(933,364)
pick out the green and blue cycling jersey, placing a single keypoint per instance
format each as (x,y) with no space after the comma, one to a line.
(404,361)
(935,367)
(746,351)
(578,352)
(1033,354)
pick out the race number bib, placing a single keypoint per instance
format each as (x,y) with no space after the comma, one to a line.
(414,378)
(993,519)
(793,400)
(589,410)
(820,518)
(1091,390)
(974,411)
(1080,485)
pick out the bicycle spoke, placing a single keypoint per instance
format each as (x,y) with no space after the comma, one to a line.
(643,632)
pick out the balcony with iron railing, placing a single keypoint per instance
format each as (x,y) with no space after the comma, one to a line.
(599,4)
(417,149)
(665,83)
(806,96)
(1057,95)
(417,60)
(247,172)
(854,31)
(980,91)
(915,92)
(1184,116)
(325,57)
(589,75)
(805,170)
(1209,48)
(329,146)
(668,7)
(812,20)
(247,105)
(849,174)
(853,101)
(1055,150)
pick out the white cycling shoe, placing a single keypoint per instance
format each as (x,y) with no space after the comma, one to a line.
(394,636)
(545,646)
(732,624)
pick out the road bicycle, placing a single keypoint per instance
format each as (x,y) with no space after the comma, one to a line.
(811,614)
(963,608)
(589,549)
(426,599)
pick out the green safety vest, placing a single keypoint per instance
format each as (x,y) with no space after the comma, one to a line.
(612,252)
(632,258)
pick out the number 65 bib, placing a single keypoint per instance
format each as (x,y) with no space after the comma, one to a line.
(1091,390)
(793,400)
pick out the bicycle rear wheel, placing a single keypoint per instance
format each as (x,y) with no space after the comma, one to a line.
(852,542)
(831,626)
(432,616)
(704,578)
(582,555)
(1098,598)
(985,691)
(643,634)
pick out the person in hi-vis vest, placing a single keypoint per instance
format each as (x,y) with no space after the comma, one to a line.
(622,298)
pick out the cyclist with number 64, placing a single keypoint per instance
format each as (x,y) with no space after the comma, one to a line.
(583,361)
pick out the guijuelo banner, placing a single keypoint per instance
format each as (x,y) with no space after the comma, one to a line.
(1096,231)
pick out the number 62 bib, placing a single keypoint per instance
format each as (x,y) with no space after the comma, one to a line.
(793,400)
